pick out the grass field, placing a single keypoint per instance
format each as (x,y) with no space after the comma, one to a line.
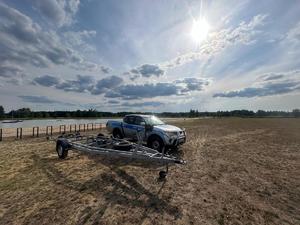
(238,171)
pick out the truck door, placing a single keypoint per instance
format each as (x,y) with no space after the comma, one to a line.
(140,125)
(129,127)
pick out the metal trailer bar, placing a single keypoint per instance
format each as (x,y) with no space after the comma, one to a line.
(146,154)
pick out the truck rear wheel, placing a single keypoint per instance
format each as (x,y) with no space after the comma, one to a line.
(117,134)
(156,143)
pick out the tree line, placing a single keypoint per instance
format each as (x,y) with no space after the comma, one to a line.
(28,113)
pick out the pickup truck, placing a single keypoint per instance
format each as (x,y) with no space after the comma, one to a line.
(156,134)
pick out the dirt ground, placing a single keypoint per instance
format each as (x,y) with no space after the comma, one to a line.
(238,171)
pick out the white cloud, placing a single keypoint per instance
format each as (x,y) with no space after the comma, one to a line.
(24,42)
(244,33)
(58,12)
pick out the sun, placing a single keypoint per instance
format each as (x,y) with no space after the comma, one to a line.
(199,30)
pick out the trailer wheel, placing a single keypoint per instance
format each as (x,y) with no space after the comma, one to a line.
(156,143)
(123,146)
(61,150)
(162,174)
(117,134)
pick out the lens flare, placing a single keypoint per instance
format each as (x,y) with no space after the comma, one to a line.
(199,30)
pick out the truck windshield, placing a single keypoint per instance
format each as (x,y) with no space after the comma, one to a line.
(153,120)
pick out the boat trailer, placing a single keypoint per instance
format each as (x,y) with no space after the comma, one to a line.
(113,147)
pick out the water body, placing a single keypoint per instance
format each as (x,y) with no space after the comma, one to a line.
(53,122)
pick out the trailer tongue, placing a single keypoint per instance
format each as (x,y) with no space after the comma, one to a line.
(112,147)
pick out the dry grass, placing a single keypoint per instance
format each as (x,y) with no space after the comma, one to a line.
(239,171)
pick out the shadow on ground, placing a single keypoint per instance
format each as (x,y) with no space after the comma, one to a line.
(115,187)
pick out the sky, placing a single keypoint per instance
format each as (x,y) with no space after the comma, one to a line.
(153,56)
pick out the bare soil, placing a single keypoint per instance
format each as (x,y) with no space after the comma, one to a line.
(238,171)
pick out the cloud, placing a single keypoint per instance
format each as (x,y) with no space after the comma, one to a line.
(41,100)
(14,81)
(58,12)
(81,84)
(46,80)
(23,41)
(105,69)
(114,87)
(143,104)
(10,70)
(272,76)
(105,84)
(274,84)
(151,90)
(294,34)
(113,102)
(193,84)
(146,70)
(148,90)
(216,42)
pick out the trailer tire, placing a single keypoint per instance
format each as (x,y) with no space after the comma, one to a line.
(162,175)
(156,143)
(123,146)
(62,150)
(117,134)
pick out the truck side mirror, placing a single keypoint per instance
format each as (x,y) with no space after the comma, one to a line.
(148,127)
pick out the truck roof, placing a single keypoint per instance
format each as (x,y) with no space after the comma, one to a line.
(141,115)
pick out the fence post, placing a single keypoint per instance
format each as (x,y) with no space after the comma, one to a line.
(47,130)
(84,127)
(1,134)
(19,132)
(75,128)
(37,131)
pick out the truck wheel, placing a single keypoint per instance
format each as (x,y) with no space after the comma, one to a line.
(156,143)
(61,150)
(117,134)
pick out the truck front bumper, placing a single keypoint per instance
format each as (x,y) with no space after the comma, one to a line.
(175,141)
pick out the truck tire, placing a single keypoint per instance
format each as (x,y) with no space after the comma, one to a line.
(62,150)
(117,134)
(156,143)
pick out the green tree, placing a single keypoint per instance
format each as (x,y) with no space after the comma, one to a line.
(296,112)
(2,112)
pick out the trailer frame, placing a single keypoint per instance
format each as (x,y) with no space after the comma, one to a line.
(113,147)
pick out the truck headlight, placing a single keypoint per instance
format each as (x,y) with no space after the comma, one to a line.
(171,133)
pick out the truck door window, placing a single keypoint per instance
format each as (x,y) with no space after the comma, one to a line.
(139,121)
(129,119)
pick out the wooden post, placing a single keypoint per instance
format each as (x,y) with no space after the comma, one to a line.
(70,128)
(92,126)
(60,126)
(35,133)
(1,134)
(84,127)
(75,128)
(19,132)
(47,130)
